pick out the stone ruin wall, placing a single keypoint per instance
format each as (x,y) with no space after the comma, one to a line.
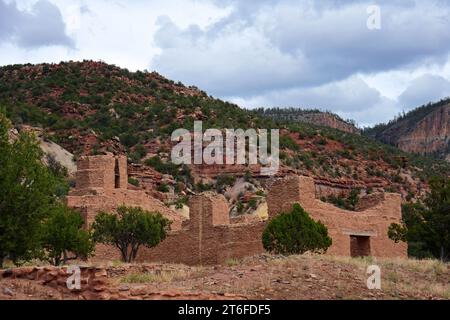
(93,280)
(210,237)
(102,185)
(342,225)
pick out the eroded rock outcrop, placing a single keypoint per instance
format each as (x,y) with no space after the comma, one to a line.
(425,130)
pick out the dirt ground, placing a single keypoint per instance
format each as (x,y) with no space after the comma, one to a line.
(261,277)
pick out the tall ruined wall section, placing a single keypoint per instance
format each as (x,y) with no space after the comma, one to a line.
(102,172)
(372,222)
(101,185)
(208,238)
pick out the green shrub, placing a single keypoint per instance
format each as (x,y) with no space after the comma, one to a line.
(295,232)
(224,181)
(133,181)
(344,202)
(129,229)
(286,142)
(253,204)
(163,167)
(202,187)
(240,207)
(163,188)
(63,236)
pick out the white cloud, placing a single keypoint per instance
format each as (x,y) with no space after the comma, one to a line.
(302,44)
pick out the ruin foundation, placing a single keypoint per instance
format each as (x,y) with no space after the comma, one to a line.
(209,237)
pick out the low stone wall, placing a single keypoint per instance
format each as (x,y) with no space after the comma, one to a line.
(94,280)
(91,204)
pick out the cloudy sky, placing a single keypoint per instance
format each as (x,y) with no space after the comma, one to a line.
(253,52)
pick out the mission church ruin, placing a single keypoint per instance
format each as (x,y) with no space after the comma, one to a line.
(209,236)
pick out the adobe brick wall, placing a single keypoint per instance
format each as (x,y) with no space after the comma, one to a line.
(99,172)
(341,224)
(208,238)
(91,204)
(102,185)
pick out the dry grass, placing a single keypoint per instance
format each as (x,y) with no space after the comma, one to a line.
(435,267)
(156,277)
(232,262)
(408,276)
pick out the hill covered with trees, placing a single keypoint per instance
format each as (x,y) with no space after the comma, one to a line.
(91,107)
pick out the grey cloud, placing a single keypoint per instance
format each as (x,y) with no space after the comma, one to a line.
(42,26)
(423,90)
(267,45)
(226,64)
(350,98)
(338,43)
(346,96)
(84,9)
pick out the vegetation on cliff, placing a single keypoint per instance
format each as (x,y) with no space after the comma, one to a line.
(437,143)
(92,107)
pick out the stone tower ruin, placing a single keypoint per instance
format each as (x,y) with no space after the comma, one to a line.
(102,185)
(102,173)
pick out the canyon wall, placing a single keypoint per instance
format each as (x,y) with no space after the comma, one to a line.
(425,130)
(431,134)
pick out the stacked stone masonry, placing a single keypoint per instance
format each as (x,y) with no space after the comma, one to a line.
(368,226)
(93,280)
(210,237)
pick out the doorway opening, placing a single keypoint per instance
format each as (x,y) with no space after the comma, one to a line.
(116,174)
(359,246)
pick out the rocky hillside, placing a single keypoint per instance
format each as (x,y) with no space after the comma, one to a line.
(92,107)
(425,130)
(312,116)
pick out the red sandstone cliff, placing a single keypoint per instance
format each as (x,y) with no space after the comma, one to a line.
(429,135)
(425,130)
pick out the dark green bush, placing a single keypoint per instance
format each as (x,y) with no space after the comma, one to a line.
(295,232)
(163,188)
(133,181)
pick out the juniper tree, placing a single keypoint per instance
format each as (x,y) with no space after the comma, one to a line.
(294,232)
(129,229)
(27,193)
